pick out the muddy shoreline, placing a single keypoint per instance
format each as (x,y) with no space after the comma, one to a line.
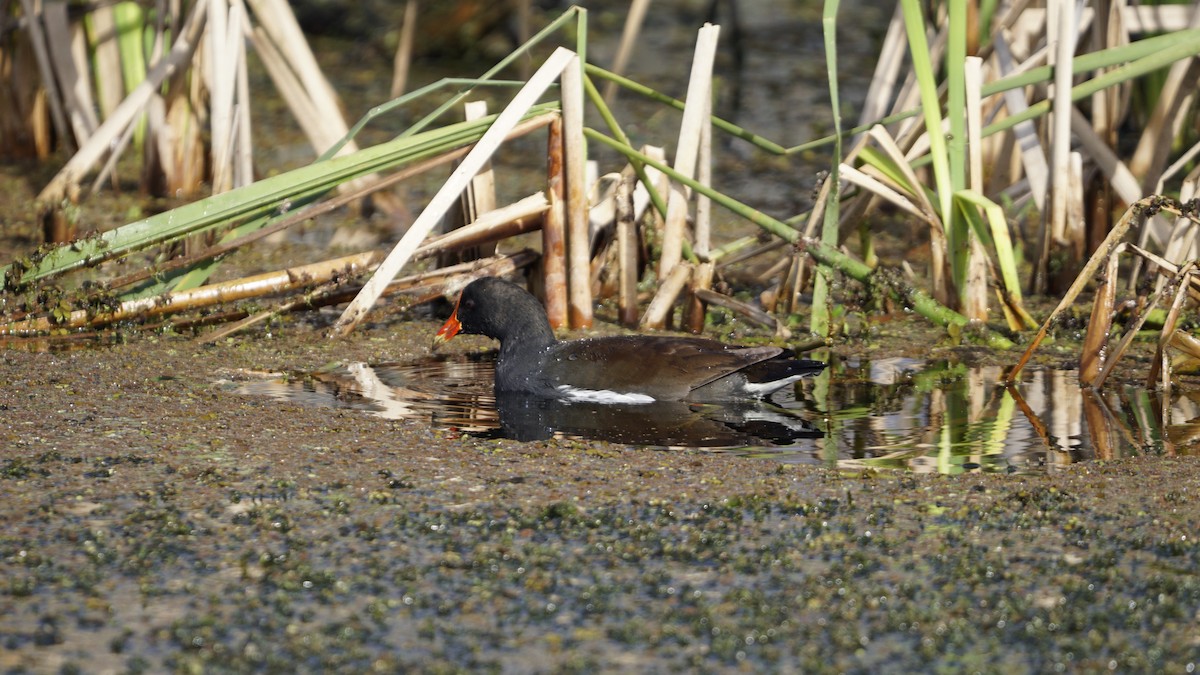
(155,521)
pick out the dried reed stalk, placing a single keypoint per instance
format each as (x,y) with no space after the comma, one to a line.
(892,55)
(554,237)
(975,295)
(633,25)
(224,52)
(697,308)
(1135,214)
(176,153)
(308,299)
(452,279)
(703,224)
(1182,244)
(1053,233)
(24,131)
(243,153)
(326,206)
(404,50)
(1032,156)
(642,198)
(1167,269)
(687,150)
(576,205)
(102,29)
(1118,174)
(1187,343)
(885,189)
(478,198)
(1114,355)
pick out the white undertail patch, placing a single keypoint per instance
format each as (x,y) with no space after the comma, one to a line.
(761,389)
(601,395)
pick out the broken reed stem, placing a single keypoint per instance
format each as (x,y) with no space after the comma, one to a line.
(697,305)
(445,277)
(1167,269)
(697,308)
(554,272)
(627,254)
(660,307)
(477,198)
(1053,223)
(452,188)
(219,79)
(498,224)
(243,159)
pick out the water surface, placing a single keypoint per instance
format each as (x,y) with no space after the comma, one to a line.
(888,413)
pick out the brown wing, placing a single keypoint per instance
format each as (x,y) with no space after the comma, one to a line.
(666,368)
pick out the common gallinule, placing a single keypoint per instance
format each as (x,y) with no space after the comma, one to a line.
(619,369)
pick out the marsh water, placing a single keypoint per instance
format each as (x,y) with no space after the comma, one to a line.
(895,413)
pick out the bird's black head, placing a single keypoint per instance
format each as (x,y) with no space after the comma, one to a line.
(498,309)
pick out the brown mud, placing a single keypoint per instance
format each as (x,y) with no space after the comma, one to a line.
(154,520)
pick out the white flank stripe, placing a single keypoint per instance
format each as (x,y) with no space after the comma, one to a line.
(601,395)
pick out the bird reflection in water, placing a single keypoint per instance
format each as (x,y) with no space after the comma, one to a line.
(456,393)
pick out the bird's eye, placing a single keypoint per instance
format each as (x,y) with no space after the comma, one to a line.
(468,303)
